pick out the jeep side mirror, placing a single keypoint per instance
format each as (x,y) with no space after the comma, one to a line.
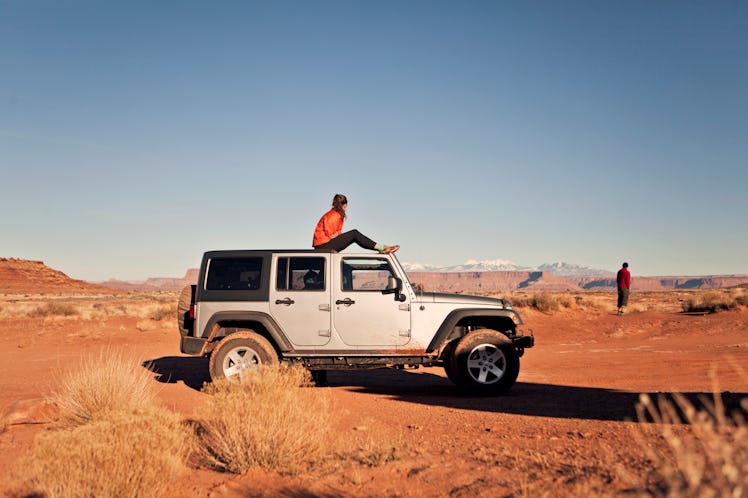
(394,286)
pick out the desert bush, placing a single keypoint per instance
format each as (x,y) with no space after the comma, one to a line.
(705,451)
(711,302)
(273,420)
(117,456)
(163,311)
(370,450)
(545,302)
(107,383)
(53,309)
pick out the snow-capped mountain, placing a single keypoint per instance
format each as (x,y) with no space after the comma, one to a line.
(559,269)
(570,270)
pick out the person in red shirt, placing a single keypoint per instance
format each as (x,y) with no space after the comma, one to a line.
(623,282)
(329,235)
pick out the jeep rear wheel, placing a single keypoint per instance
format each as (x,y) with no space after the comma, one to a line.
(239,354)
(485,363)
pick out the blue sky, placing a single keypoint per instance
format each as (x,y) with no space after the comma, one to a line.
(136,135)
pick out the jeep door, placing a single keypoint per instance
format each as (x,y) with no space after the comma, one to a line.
(300,297)
(362,314)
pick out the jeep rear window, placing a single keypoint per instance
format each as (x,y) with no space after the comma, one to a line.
(234,274)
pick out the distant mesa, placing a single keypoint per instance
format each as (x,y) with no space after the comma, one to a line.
(155,284)
(21,276)
(498,275)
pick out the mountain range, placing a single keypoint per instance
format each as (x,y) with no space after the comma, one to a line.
(558,269)
(24,276)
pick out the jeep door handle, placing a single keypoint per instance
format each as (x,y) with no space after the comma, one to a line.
(347,301)
(288,301)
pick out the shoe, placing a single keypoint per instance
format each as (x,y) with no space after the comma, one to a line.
(389,249)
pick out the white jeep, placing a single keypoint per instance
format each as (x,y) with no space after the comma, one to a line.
(336,311)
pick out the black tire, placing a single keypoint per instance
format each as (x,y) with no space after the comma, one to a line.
(186,299)
(240,353)
(485,363)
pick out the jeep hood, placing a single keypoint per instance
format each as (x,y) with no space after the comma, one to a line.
(441,297)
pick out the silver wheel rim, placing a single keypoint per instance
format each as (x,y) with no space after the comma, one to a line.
(239,361)
(486,364)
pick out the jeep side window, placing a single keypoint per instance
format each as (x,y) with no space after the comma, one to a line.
(301,273)
(365,274)
(234,274)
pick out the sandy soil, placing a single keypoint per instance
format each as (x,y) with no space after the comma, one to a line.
(563,428)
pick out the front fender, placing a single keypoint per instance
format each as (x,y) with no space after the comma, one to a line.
(508,319)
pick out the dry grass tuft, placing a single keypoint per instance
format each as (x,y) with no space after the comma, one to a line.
(370,450)
(112,439)
(158,313)
(708,456)
(273,420)
(546,302)
(714,301)
(108,383)
(53,309)
(121,455)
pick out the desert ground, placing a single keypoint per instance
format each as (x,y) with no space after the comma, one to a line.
(568,427)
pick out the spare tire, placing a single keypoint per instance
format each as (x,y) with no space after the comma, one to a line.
(186,300)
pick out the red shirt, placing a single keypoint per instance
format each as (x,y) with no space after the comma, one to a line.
(328,227)
(623,279)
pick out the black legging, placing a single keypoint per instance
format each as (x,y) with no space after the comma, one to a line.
(345,239)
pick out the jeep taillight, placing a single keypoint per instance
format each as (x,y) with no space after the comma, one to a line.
(192,311)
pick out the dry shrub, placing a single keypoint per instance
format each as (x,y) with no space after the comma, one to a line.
(112,440)
(712,302)
(274,419)
(107,383)
(53,309)
(370,450)
(706,457)
(163,311)
(121,455)
(545,301)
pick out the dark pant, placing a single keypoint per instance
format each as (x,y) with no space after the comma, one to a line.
(345,239)
(623,297)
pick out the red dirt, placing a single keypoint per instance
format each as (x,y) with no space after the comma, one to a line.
(562,428)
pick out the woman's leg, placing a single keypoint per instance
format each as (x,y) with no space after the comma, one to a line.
(345,239)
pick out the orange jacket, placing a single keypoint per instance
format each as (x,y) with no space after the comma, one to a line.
(328,227)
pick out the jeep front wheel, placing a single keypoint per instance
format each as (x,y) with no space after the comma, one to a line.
(240,353)
(485,363)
